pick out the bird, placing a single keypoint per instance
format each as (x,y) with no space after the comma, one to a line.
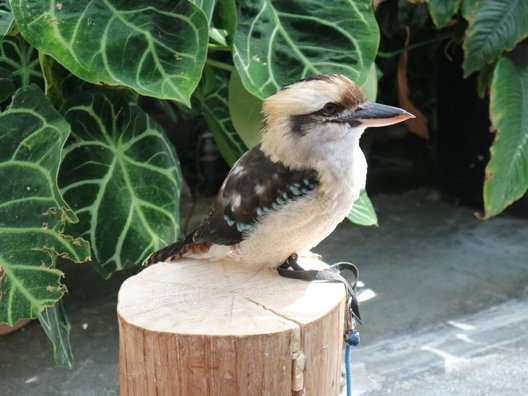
(289,192)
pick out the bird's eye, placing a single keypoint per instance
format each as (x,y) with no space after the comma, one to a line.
(330,109)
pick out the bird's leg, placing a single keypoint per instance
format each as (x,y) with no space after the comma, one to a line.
(291,262)
(291,269)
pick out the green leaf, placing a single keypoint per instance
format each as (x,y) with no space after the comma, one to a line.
(363,212)
(507,171)
(56,326)
(212,95)
(158,48)
(6,18)
(168,109)
(469,9)
(484,79)
(245,110)
(207,6)
(226,19)
(60,84)
(21,60)
(442,11)
(121,176)
(497,27)
(280,42)
(218,35)
(32,211)
(7,87)
(370,86)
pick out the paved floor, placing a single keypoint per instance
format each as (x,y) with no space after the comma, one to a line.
(445,309)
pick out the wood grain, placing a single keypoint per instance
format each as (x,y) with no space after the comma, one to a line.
(197,328)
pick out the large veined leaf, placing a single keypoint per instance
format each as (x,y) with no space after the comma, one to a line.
(442,10)
(245,110)
(280,42)
(32,211)
(156,47)
(498,26)
(21,60)
(121,176)
(6,18)
(207,6)
(7,87)
(212,96)
(57,327)
(507,171)
(363,212)
(59,83)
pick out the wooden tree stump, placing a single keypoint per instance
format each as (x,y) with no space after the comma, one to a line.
(192,328)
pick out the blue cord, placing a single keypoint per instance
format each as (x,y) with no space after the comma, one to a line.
(348,348)
(351,340)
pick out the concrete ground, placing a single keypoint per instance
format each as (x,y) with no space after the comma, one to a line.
(444,303)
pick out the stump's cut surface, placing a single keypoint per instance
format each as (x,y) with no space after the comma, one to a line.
(196,328)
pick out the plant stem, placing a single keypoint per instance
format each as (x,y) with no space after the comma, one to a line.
(218,47)
(219,65)
(390,54)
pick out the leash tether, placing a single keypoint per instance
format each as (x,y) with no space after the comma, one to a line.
(291,269)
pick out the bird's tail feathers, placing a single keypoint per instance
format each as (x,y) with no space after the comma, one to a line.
(168,253)
(179,248)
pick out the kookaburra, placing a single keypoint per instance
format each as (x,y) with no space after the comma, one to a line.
(289,192)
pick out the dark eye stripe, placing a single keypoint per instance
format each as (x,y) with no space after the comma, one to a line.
(299,122)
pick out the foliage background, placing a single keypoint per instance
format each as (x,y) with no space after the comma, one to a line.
(89,175)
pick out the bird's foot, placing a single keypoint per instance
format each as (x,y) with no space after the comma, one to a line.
(291,269)
(291,262)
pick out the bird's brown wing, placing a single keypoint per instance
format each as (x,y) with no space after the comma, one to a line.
(254,187)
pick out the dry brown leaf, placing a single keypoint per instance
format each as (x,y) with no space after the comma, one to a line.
(416,125)
(376,3)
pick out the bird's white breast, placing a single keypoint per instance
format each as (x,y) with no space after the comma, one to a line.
(300,225)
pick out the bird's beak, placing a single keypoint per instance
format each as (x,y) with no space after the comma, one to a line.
(376,115)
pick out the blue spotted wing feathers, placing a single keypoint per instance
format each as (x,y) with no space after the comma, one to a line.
(254,187)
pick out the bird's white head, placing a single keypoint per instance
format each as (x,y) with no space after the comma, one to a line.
(318,117)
